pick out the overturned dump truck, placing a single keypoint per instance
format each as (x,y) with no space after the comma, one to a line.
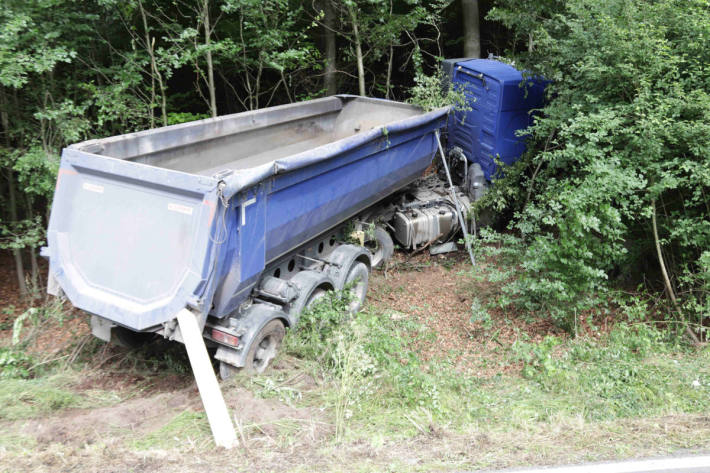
(245,220)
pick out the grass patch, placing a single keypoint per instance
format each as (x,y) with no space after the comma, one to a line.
(188,428)
(376,387)
(18,443)
(42,396)
(365,387)
(634,371)
(29,398)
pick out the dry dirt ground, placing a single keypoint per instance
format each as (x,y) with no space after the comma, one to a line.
(143,420)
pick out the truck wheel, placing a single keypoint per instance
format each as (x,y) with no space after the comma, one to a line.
(356,284)
(264,347)
(316,296)
(381,247)
(312,287)
(302,305)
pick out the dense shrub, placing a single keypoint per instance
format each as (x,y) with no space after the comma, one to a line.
(625,135)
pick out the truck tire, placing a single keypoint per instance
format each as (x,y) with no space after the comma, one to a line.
(356,284)
(264,347)
(300,306)
(381,247)
(312,286)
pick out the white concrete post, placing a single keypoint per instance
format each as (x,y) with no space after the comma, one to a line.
(211,394)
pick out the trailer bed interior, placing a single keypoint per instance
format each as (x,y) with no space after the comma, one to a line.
(249,139)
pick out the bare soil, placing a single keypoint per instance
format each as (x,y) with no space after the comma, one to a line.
(437,291)
(135,416)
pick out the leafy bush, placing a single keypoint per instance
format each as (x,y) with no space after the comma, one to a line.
(15,364)
(174,118)
(626,135)
(430,92)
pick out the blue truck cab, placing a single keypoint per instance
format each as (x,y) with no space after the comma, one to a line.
(501,101)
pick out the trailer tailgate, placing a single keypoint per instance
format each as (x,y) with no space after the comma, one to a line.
(129,242)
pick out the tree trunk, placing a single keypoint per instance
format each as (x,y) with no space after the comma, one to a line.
(149,48)
(17,255)
(331,86)
(208,54)
(155,73)
(19,266)
(35,283)
(472,32)
(35,279)
(388,83)
(666,280)
(358,52)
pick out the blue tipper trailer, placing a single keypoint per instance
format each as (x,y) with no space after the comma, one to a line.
(221,232)
(146,224)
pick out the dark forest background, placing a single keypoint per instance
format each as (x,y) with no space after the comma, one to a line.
(610,200)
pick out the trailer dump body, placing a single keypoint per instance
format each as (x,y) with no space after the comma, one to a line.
(148,223)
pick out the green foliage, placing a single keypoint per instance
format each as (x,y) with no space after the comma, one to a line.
(175,118)
(627,125)
(22,234)
(525,20)
(369,358)
(266,38)
(537,357)
(434,91)
(696,300)
(632,371)
(479,313)
(28,44)
(389,29)
(15,364)
(316,326)
(374,376)
(36,171)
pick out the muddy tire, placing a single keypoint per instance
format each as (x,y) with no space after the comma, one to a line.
(381,247)
(264,347)
(356,283)
(316,296)
(310,293)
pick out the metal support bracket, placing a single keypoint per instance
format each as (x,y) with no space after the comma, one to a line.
(462,222)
